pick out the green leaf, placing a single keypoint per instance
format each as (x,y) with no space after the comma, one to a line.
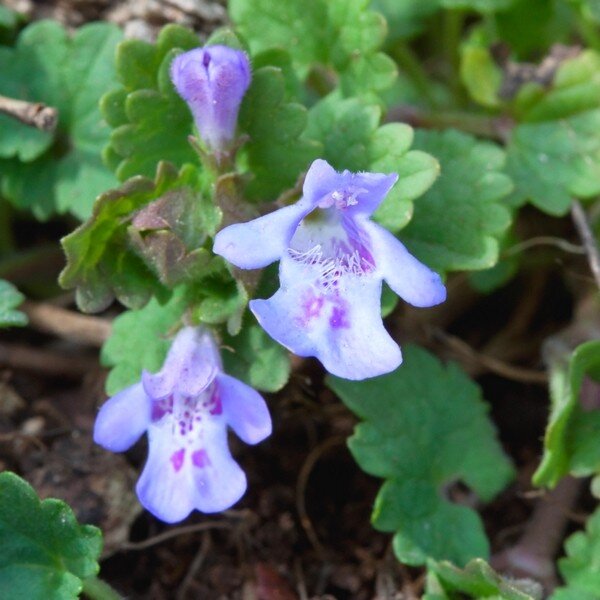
(168,233)
(530,27)
(10,298)
(417,172)
(140,339)
(457,224)
(102,263)
(590,9)
(581,567)
(150,121)
(423,427)
(479,71)
(220,299)
(554,153)
(44,552)
(9,19)
(407,18)
(348,129)
(62,172)
(502,272)
(389,300)
(254,357)
(478,581)
(16,64)
(571,440)
(341,35)
(275,152)
(345,128)
(482,6)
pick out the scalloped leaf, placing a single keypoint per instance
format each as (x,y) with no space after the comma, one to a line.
(581,567)
(275,152)
(341,35)
(477,581)
(352,139)
(151,123)
(106,259)
(60,172)
(459,222)
(554,153)
(423,427)
(44,552)
(254,357)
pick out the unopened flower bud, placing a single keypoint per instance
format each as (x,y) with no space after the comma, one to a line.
(213,81)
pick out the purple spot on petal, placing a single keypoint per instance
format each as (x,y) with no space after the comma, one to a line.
(338,318)
(312,306)
(177,459)
(200,458)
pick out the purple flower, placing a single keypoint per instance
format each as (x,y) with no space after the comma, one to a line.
(333,260)
(213,81)
(186,408)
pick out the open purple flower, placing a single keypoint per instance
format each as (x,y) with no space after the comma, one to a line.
(213,81)
(186,408)
(333,260)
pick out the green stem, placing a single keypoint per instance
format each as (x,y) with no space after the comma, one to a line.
(496,128)
(411,66)
(453,28)
(97,589)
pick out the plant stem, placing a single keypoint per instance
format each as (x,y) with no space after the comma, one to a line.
(586,234)
(97,589)
(48,362)
(411,66)
(533,555)
(496,128)
(453,27)
(67,324)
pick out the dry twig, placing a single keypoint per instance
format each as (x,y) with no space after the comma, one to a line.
(195,566)
(34,114)
(67,324)
(584,230)
(22,357)
(177,531)
(482,362)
